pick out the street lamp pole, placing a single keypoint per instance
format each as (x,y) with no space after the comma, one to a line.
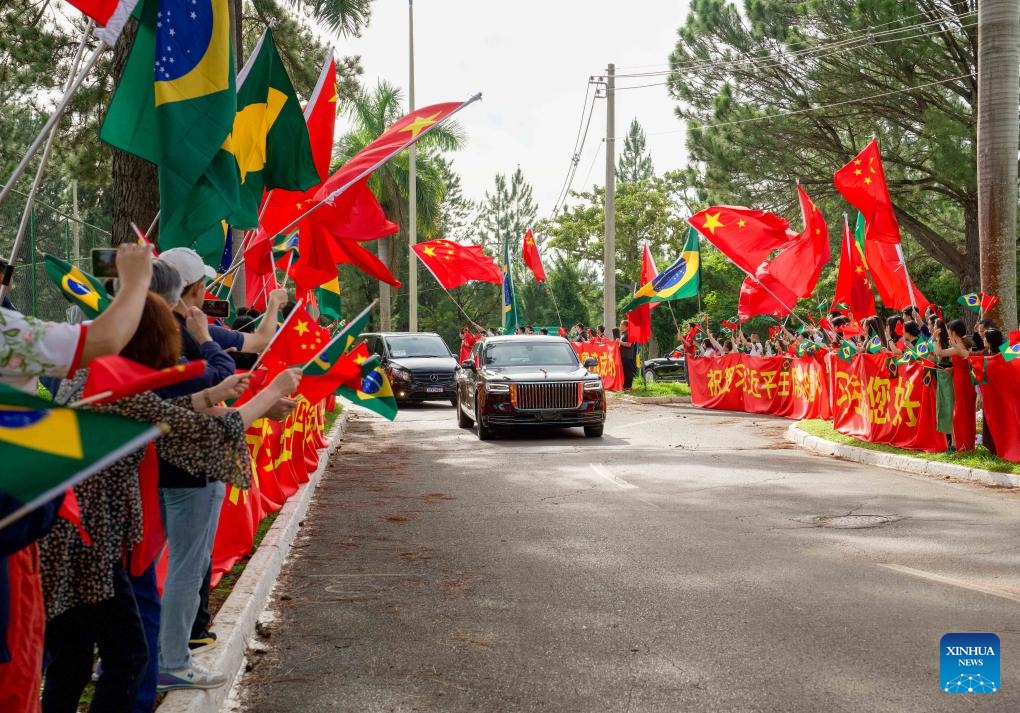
(412,192)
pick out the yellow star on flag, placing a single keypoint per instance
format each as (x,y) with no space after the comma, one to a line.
(429,251)
(867,181)
(712,222)
(421,123)
(857,171)
(301,327)
(741,223)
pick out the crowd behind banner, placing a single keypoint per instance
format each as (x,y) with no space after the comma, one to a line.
(903,383)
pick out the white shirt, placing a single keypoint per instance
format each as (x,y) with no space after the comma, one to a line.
(31,347)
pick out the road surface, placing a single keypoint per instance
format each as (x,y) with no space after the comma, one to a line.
(687,561)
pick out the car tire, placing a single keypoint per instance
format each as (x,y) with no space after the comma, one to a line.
(649,376)
(463,420)
(484,432)
(594,431)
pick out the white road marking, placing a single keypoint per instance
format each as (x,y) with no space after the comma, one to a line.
(991,591)
(604,473)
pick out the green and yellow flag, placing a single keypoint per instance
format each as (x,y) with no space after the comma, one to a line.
(328,296)
(340,344)
(376,393)
(175,107)
(270,137)
(47,449)
(79,287)
(679,280)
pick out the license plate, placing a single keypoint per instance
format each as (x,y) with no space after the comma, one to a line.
(549,415)
(434,389)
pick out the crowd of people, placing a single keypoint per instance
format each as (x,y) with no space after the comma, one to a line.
(70,588)
(944,346)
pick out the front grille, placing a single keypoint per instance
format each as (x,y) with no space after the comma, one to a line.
(538,396)
(442,378)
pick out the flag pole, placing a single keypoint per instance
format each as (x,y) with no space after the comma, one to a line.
(55,116)
(51,137)
(448,293)
(552,295)
(371,169)
(336,337)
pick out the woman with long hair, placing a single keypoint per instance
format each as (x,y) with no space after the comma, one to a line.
(951,341)
(89,600)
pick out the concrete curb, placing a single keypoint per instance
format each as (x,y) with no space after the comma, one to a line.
(918,466)
(235,621)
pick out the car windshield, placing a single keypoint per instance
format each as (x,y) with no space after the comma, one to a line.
(417,345)
(524,354)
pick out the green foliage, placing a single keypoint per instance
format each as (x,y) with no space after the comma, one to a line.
(506,213)
(644,390)
(635,163)
(751,91)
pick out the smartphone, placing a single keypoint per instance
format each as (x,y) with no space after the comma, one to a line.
(216,308)
(104,262)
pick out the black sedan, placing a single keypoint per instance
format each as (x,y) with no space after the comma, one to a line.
(672,367)
(516,381)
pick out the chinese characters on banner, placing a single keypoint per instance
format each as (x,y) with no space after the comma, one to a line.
(784,386)
(610,367)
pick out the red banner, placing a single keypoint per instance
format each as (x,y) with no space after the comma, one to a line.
(610,367)
(1000,397)
(782,385)
(879,401)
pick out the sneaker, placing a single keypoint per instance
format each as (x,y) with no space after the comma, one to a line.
(194,677)
(202,642)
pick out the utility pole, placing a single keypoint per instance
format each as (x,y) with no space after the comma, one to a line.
(609,244)
(412,193)
(75,226)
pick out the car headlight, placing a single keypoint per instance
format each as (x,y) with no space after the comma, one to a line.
(497,388)
(400,374)
(593,385)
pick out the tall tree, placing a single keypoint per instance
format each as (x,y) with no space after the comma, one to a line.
(507,212)
(794,88)
(635,162)
(371,112)
(997,137)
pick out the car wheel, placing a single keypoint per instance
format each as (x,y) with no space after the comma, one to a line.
(484,432)
(463,420)
(650,376)
(594,431)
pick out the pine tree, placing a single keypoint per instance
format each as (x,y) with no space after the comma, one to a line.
(635,163)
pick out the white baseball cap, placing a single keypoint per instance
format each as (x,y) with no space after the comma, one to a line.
(187,262)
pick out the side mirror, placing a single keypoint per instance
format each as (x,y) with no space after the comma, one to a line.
(590,363)
(468,364)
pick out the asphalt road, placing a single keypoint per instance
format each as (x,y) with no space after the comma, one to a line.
(677,564)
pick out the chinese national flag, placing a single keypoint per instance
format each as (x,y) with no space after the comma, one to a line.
(122,377)
(853,288)
(745,236)
(763,294)
(799,264)
(639,319)
(452,264)
(531,257)
(296,343)
(344,371)
(320,255)
(862,183)
(108,14)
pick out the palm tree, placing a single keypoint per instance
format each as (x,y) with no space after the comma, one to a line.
(997,138)
(371,112)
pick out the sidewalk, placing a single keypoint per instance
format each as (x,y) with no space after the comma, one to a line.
(909,464)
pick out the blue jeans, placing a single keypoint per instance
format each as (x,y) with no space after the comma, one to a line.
(147,598)
(189,517)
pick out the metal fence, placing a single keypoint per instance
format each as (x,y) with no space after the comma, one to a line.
(53,230)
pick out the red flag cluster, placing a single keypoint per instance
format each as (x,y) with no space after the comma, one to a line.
(640,319)
(452,264)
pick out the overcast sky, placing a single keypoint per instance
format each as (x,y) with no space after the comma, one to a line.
(532,64)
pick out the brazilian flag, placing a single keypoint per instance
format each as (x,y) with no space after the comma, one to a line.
(175,107)
(846,351)
(47,449)
(679,280)
(1010,351)
(874,345)
(375,393)
(328,296)
(511,311)
(971,301)
(79,287)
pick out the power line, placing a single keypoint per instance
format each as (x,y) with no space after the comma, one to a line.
(815,108)
(575,158)
(857,40)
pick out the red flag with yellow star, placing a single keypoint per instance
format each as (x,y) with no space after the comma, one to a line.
(452,264)
(799,264)
(745,236)
(853,288)
(862,183)
(531,257)
(298,340)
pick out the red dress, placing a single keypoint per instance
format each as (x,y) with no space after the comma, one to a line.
(964,408)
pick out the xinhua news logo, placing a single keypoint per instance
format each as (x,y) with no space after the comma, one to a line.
(969,663)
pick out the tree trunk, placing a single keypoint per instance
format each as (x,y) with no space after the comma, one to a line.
(385,248)
(998,136)
(135,181)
